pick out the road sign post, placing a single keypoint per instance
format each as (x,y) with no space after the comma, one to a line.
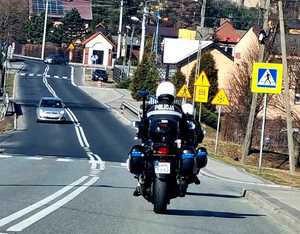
(201,88)
(221,100)
(266,78)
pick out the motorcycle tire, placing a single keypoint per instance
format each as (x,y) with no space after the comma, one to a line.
(160,196)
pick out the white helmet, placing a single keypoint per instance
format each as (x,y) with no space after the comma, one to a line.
(166,88)
(187,108)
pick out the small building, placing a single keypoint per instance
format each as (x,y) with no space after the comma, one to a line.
(183,54)
(98,50)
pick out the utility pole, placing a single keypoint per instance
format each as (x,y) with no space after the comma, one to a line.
(247,140)
(197,72)
(130,51)
(45,30)
(157,17)
(142,47)
(289,121)
(120,30)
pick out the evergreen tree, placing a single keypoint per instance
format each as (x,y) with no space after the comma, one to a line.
(55,34)
(178,80)
(146,77)
(34,28)
(208,65)
(73,26)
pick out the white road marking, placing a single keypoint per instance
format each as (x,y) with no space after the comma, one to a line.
(71,112)
(72,76)
(64,160)
(6,156)
(102,163)
(39,74)
(48,76)
(78,129)
(84,137)
(34,158)
(65,77)
(57,77)
(31,74)
(22,74)
(50,209)
(43,202)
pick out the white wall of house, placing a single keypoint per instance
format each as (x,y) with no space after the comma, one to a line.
(99,43)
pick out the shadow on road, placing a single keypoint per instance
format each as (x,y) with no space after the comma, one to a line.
(207,213)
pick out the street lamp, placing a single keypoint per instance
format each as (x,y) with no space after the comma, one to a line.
(45,30)
(134,19)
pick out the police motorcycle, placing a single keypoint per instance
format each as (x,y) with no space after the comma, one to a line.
(163,164)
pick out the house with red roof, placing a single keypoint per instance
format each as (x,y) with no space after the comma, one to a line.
(58,8)
(98,49)
(226,36)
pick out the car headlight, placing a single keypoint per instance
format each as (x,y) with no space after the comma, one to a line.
(41,113)
(62,112)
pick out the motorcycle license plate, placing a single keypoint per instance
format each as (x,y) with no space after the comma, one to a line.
(162,167)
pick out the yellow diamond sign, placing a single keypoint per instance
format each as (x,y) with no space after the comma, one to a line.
(202,80)
(220,98)
(184,92)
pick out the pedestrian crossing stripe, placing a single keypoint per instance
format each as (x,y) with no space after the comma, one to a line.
(266,78)
(220,98)
(184,92)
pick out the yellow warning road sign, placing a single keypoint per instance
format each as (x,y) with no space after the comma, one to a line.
(201,94)
(202,80)
(71,46)
(220,98)
(184,92)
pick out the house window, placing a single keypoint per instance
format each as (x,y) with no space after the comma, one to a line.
(297,92)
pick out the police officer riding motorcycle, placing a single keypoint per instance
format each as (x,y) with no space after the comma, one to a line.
(168,159)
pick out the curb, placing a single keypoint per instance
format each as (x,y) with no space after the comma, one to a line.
(277,212)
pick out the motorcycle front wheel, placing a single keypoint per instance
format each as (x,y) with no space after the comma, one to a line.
(160,196)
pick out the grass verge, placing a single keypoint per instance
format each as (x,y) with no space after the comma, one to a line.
(7,123)
(230,153)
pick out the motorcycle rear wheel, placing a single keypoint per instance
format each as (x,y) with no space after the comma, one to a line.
(160,196)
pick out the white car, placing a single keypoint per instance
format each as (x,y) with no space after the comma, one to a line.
(51,109)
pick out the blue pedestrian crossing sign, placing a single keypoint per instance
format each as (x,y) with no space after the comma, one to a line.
(266,78)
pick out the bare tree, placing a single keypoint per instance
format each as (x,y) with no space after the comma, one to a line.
(13,16)
(241,96)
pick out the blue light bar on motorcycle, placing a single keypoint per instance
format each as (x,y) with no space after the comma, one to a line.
(136,153)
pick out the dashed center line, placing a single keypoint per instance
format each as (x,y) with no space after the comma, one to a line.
(34,158)
(64,160)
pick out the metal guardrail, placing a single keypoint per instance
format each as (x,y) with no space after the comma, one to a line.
(128,106)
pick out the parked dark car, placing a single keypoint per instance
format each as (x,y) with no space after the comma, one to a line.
(100,74)
(56,59)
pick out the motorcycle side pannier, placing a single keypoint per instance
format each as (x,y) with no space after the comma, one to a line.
(136,161)
(187,161)
(201,157)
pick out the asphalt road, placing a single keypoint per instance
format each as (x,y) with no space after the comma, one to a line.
(68,178)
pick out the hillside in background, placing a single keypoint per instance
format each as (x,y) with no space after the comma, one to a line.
(177,13)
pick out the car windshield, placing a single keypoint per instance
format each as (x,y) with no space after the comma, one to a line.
(101,72)
(51,103)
